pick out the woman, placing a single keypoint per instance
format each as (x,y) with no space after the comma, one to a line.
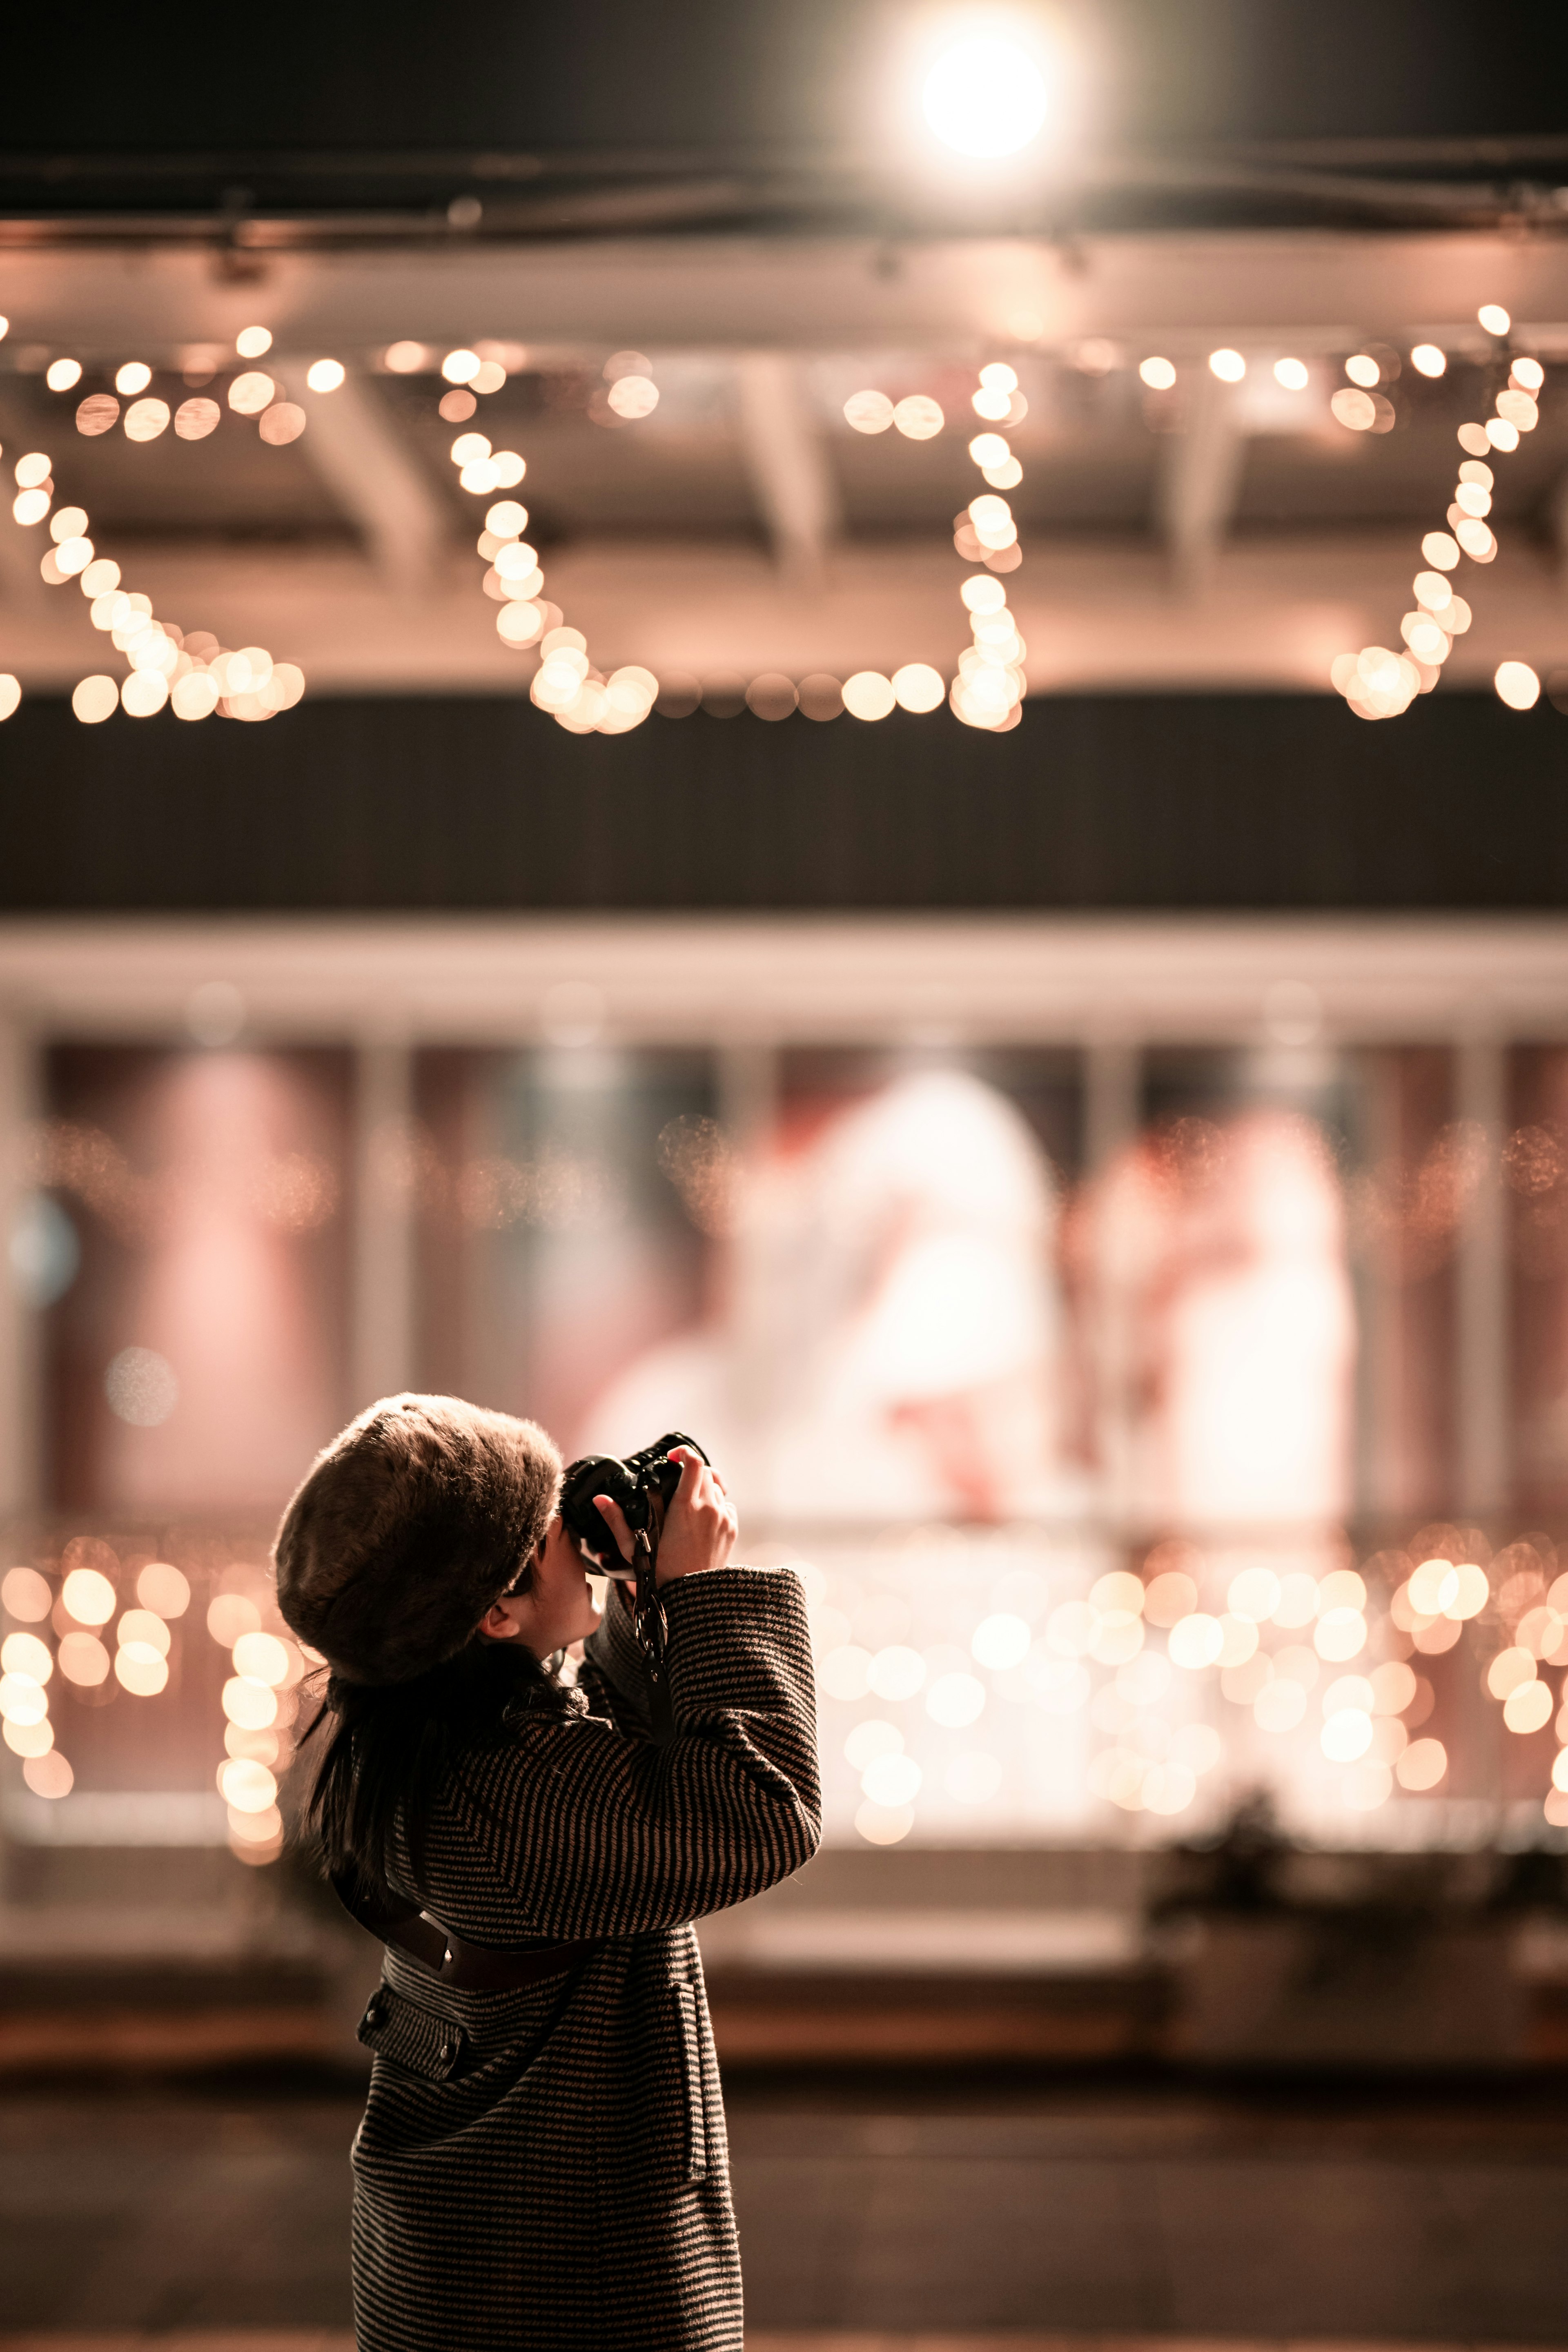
(543,2165)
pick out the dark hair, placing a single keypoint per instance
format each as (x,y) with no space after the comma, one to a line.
(393,1746)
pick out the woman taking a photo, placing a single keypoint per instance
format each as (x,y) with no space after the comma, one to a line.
(542,2163)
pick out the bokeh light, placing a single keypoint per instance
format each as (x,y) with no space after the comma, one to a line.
(985,97)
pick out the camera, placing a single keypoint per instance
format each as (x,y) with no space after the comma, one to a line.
(633,1484)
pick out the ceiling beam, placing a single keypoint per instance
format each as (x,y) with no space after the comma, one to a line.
(373,474)
(791,476)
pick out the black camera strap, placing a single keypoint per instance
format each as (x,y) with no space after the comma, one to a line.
(651,1629)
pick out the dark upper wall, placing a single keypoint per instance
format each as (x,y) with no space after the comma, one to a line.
(507,74)
(1155,802)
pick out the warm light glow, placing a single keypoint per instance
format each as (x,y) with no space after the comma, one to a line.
(1364,369)
(250,395)
(507,468)
(918,687)
(247,1785)
(25,1595)
(1426,358)
(506,519)
(1354,410)
(405,358)
(29,506)
(141,1669)
(1501,433)
(133,377)
(989,449)
(325,375)
(1517,685)
(868,695)
(467,447)
(1228,365)
(195,696)
(1195,1641)
(263,1658)
(1158,373)
(252,1705)
(868,412)
(282,422)
(1529,374)
(253,343)
(145,419)
(893,1780)
(1528,1707)
(61,374)
(49,1776)
(99,578)
(633,396)
(88,1596)
(1441,551)
(195,419)
(145,1628)
(983,592)
(985,97)
(230,1614)
(98,413)
(83,1659)
(1494,318)
(1293,375)
(1422,1765)
(919,418)
(23,1699)
(518,625)
(1519,408)
(458,367)
(95,699)
(163,1590)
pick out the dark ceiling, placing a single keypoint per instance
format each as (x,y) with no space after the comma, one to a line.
(612,114)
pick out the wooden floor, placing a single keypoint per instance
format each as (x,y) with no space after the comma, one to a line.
(306,2340)
(1137,2219)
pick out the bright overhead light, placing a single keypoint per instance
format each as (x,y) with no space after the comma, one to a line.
(985,97)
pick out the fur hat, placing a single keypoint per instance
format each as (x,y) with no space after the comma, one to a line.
(412,1522)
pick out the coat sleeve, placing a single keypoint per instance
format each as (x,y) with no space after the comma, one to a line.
(584,1828)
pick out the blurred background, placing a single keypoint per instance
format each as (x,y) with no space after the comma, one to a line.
(996,1046)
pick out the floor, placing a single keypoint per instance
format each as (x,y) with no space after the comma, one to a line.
(1047,2217)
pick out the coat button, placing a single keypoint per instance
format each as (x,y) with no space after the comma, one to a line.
(375,2008)
(448,2053)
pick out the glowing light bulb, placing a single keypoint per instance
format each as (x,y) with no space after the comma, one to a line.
(1426,358)
(325,375)
(1517,685)
(1157,373)
(1228,365)
(1291,374)
(985,97)
(1494,318)
(252,342)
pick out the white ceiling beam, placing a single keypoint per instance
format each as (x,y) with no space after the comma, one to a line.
(791,476)
(372,474)
(1180,293)
(1199,476)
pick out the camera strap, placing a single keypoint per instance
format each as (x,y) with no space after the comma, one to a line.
(651,1629)
(465,1967)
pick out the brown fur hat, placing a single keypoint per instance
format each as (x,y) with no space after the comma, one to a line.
(407,1527)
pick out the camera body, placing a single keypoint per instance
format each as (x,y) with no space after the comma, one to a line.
(633,1484)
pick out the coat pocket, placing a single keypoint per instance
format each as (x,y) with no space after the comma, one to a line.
(417,2040)
(688,2040)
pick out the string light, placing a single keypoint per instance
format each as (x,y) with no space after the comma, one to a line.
(1378,683)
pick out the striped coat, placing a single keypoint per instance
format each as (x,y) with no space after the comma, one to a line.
(542,2169)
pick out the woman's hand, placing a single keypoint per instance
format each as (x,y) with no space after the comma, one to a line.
(699,1526)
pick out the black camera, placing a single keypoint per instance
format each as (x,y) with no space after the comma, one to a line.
(633,1484)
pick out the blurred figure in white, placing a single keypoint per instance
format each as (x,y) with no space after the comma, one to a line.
(1218,1313)
(889,1341)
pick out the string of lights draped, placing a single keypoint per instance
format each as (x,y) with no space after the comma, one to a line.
(1339,1660)
(1377,682)
(190,672)
(195,676)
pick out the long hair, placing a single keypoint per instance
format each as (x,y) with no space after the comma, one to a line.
(392,1748)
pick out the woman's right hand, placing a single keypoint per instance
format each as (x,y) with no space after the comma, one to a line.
(699,1526)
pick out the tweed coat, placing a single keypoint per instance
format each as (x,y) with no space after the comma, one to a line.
(547,2168)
